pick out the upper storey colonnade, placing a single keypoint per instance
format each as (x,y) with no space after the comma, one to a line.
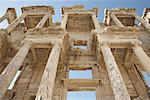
(79,27)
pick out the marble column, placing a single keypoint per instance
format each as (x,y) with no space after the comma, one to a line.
(95,21)
(11,69)
(117,83)
(43,21)
(116,20)
(45,89)
(2,18)
(14,24)
(64,21)
(142,57)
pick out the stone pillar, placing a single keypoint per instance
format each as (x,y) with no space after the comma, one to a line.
(64,21)
(43,21)
(45,89)
(9,72)
(117,83)
(142,57)
(11,15)
(143,22)
(95,21)
(3,17)
(89,44)
(14,24)
(116,20)
(147,18)
(50,20)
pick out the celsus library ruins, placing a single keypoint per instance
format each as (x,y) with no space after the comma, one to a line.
(42,53)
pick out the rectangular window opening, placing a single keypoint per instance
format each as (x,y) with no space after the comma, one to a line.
(81,47)
(81,95)
(82,44)
(80,74)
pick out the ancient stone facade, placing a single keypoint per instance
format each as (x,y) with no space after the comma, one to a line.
(116,51)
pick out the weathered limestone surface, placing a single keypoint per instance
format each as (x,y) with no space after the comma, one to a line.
(96,23)
(11,15)
(3,17)
(13,66)
(42,22)
(48,79)
(142,57)
(64,21)
(80,42)
(117,82)
(143,22)
(14,24)
(116,20)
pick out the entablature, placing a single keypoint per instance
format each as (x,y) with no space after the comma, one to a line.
(32,20)
(79,8)
(124,15)
(119,30)
(49,9)
(48,30)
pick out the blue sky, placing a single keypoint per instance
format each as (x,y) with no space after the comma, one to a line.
(81,95)
(101,4)
(57,4)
